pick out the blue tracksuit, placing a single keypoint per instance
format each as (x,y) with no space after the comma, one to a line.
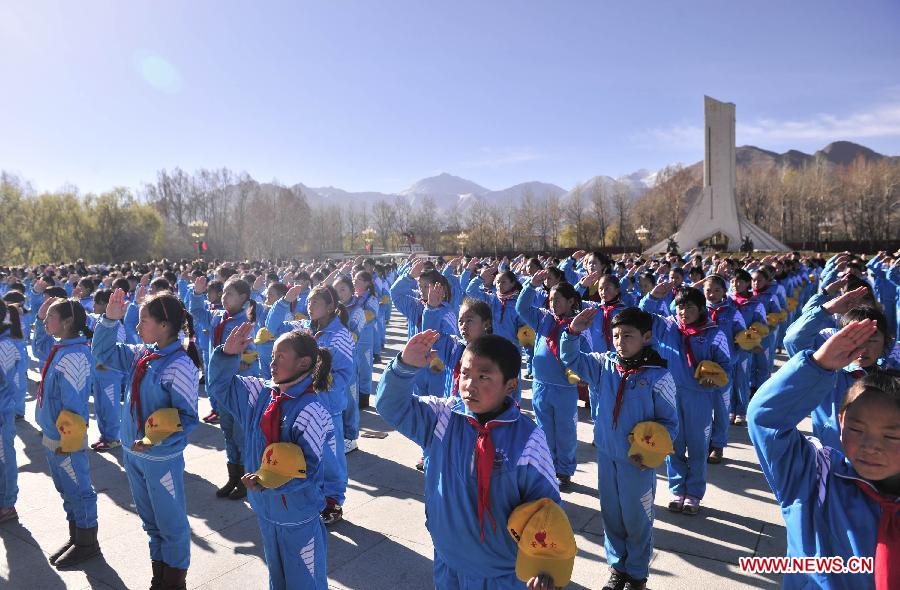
(505,321)
(825,512)
(687,466)
(107,388)
(206,319)
(555,400)
(523,471)
(626,492)
(67,386)
(752,312)
(762,363)
(294,538)
(363,321)
(384,312)
(156,476)
(730,322)
(337,339)
(601,329)
(10,361)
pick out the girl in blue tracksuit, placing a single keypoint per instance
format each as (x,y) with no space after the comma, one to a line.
(685,342)
(327,323)
(502,301)
(14,301)
(608,306)
(367,299)
(286,408)
(239,307)
(158,374)
(484,458)
(263,340)
(61,338)
(384,310)
(761,366)
(356,324)
(813,328)
(554,397)
(628,384)
(752,312)
(835,502)
(107,384)
(11,360)
(731,323)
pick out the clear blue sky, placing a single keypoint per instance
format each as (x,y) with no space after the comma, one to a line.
(374,95)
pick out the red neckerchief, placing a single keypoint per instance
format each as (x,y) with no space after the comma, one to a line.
(741,300)
(56,347)
(504,299)
(620,393)
(270,423)
(887,545)
(858,373)
(455,389)
(607,319)
(139,371)
(219,330)
(688,332)
(484,465)
(555,332)
(714,312)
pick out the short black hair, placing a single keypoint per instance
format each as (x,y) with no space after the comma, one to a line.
(634,317)
(690,295)
(500,351)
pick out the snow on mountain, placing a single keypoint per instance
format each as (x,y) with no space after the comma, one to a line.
(444,188)
(639,181)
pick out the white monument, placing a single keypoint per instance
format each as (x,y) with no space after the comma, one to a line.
(714,218)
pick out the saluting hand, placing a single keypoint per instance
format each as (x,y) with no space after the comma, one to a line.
(436,295)
(845,346)
(583,320)
(115,309)
(239,339)
(417,352)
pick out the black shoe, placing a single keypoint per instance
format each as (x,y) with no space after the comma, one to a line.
(56,554)
(636,584)
(234,478)
(715,456)
(377,359)
(420,465)
(158,568)
(565,481)
(363,401)
(239,492)
(174,578)
(85,547)
(19,417)
(332,513)
(529,376)
(616,581)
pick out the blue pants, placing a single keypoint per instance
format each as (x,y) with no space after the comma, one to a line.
(350,415)
(158,491)
(364,360)
(9,470)
(741,389)
(721,409)
(107,389)
(529,359)
(265,359)
(335,463)
(448,579)
(760,370)
(380,330)
(295,555)
(687,466)
(626,506)
(556,410)
(234,437)
(22,385)
(71,475)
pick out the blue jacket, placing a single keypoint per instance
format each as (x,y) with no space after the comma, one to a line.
(67,381)
(523,471)
(406,298)
(170,382)
(363,327)
(505,321)
(10,361)
(825,513)
(449,346)
(209,320)
(546,366)
(304,421)
(649,395)
(729,321)
(601,341)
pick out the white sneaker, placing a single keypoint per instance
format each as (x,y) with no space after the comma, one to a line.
(350,445)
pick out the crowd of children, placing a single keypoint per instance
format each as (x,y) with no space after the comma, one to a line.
(668,351)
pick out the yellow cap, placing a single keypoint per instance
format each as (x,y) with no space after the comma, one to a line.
(760,328)
(72,429)
(370,315)
(772,318)
(160,424)
(651,441)
(436,365)
(300,316)
(249,357)
(712,371)
(263,336)
(384,299)
(747,339)
(281,462)
(573,377)
(791,304)
(782,315)
(545,539)
(526,336)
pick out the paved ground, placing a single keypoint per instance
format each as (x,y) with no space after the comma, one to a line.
(383,542)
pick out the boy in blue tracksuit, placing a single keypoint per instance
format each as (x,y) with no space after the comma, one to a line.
(59,338)
(555,391)
(835,503)
(685,343)
(484,458)
(628,385)
(10,361)
(328,327)
(107,385)
(287,408)
(158,375)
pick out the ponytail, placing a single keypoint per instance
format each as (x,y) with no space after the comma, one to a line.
(72,308)
(329,295)
(305,345)
(321,380)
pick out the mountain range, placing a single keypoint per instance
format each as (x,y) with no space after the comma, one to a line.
(450,191)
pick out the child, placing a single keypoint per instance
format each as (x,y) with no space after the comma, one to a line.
(554,394)
(484,458)
(61,336)
(754,316)
(285,409)
(686,342)
(608,301)
(10,362)
(159,376)
(238,308)
(644,391)
(107,384)
(17,314)
(835,503)
(356,324)
(368,300)
(327,323)
(502,301)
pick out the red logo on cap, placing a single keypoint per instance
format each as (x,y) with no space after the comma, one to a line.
(269,460)
(648,440)
(541,538)
(151,423)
